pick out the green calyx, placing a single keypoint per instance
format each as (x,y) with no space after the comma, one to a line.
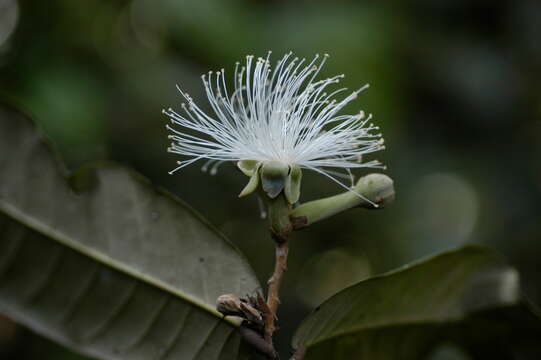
(292,189)
(274,177)
(248,167)
(253,172)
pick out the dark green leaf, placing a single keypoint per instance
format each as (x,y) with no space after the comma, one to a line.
(107,264)
(468,296)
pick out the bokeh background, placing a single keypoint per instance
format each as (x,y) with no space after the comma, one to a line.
(455,88)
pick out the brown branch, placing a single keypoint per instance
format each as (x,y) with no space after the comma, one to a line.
(279,210)
(273,300)
(253,338)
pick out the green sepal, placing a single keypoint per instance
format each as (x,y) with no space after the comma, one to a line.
(273,177)
(248,167)
(253,183)
(292,187)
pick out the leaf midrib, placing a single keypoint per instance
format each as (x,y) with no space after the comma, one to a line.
(49,232)
(404,322)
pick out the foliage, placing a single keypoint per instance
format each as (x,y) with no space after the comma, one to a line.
(108,264)
(467,296)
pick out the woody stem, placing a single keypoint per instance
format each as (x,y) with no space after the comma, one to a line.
(280,227)
(273,300)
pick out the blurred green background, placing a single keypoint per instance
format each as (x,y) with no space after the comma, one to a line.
(455,87)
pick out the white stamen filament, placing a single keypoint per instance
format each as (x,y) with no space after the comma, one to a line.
(281,114)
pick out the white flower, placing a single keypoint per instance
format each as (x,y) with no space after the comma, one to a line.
(282,114)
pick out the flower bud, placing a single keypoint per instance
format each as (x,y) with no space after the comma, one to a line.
(229,304)
(232,305)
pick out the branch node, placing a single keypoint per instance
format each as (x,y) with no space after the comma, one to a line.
(254,339)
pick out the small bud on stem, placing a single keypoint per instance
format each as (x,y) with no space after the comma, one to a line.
(375,188)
